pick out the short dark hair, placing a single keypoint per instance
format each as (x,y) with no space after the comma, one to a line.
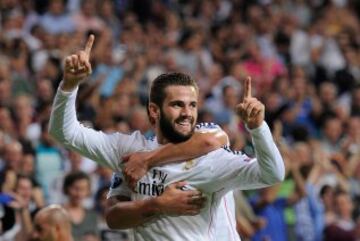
(325,189)
(72,177)
(159,84)
(25,177)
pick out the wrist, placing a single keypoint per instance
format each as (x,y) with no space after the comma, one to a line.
(253,125)
(20,209)
(150,160)
(67,86)
(154,207)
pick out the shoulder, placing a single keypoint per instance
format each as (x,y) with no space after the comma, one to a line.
(90,216)
(117,180)
(207,126)
(135,139)
(226,153)
(227,149)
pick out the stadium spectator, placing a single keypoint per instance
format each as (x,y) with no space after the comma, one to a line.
(84,221)
(52,223)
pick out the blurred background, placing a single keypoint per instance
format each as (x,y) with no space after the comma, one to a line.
(303,57)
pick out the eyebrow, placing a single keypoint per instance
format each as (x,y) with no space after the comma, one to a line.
(181,101)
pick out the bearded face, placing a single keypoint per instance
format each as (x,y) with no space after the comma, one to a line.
(177,130)
(178,114)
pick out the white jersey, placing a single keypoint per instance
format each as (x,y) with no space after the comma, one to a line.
(225,225)
(215,173)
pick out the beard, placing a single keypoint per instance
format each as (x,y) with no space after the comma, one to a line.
(170,133)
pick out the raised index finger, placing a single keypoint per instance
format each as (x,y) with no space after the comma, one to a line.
(89,44)
(247,87)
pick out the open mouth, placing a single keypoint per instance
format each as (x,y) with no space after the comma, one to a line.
(183,124)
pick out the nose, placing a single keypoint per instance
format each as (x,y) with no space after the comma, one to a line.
(186,111)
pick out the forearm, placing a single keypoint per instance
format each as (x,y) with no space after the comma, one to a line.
(299,182)
(130,214)
(342,182)
(315,174)
(26,225)
(63,120)
(199,144)
(271,164)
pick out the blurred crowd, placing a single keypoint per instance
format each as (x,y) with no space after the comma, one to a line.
(304,60)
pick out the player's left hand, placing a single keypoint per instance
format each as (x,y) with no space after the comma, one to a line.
(135,167)
(250,110)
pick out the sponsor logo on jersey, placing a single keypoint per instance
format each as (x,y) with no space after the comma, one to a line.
(155,187)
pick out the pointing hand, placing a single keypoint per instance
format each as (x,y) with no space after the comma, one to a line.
(77,66)
(250,110)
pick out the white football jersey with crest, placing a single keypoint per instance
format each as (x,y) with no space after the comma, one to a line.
(215,173)
(223,227)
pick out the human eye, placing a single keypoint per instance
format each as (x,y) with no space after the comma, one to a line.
(177,104)
(193,104)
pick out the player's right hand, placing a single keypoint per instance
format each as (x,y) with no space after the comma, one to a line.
(77,66)
(178,202)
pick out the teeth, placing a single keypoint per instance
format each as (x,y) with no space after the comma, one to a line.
(184,123)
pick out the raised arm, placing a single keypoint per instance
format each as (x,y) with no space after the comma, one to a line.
(300,186)
(106,149)
(237,170)
(270,163)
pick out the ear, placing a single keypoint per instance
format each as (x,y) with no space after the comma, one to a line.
(154,111)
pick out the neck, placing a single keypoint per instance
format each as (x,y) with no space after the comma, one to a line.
(160,137)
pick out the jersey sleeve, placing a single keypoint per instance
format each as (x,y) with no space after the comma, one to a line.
(118,186)
(231,170)
(106,149)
